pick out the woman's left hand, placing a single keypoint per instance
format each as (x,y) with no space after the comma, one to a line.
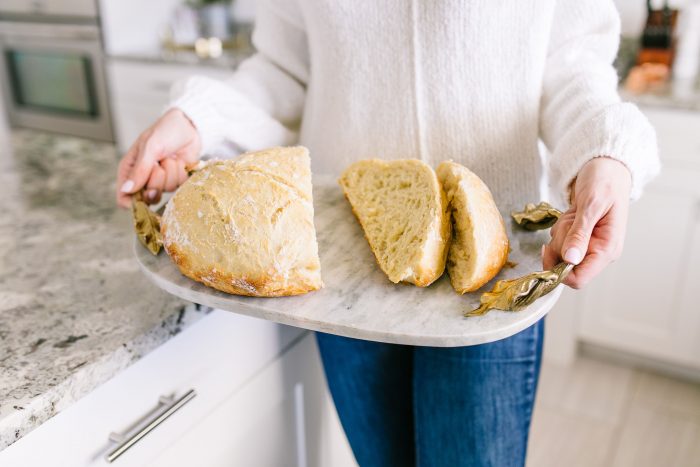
(592,232)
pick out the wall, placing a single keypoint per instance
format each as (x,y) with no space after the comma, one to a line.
(135,26)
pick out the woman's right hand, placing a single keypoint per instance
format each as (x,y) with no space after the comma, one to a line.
(158,158)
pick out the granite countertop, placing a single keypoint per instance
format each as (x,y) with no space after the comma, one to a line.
(74,307)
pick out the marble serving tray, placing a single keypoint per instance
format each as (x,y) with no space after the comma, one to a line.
(358,300)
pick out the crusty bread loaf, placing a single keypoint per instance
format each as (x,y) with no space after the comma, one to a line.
(479,246)
(246,226)
(403,212)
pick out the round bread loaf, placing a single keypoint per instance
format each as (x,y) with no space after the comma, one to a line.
(245,226)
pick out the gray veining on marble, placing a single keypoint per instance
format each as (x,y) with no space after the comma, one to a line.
(74,308)
(358,300)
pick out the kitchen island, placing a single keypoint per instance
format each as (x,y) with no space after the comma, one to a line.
(74,308)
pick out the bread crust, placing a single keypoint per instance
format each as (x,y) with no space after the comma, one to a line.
(478,254)
(263,286)
(245,226)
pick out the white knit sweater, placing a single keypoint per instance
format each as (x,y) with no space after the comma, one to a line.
(476,81)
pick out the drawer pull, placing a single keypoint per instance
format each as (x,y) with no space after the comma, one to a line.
(126,441)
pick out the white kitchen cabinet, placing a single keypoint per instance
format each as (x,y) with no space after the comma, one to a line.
(678,133)
(260,400)
(140,90)
(645,304)
(276,420)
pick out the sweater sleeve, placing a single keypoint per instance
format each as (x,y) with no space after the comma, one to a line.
(581,114)
(261,104)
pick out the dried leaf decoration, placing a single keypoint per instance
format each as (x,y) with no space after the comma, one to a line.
(146,224)
(536,217)
(517,294)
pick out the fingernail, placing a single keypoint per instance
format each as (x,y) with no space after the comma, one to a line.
(573,255)
(542,250)
(151,194)
(127,186)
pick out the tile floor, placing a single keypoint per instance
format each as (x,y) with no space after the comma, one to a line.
(596,413)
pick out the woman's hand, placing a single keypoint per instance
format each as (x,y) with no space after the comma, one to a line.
(158,158)
(592,232)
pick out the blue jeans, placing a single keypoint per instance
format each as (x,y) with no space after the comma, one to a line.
(409,406)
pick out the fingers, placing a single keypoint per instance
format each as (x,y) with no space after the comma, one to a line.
(174,137)
(156,185)
(605,247)
(125,166)
(591,266)
(551,254)
(170,166)
(575,244)
(550,257)
(181,172)
(190,152)
(593,243)
(175,173)
(146,158)
(167,175)
(591,234)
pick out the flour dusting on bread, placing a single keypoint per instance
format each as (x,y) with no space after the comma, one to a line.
(245,226)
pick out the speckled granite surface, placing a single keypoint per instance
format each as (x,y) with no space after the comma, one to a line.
(74,308)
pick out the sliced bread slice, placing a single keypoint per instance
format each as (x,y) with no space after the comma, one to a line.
(479,246)
(403,211)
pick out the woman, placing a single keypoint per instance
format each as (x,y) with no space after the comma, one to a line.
(480,82)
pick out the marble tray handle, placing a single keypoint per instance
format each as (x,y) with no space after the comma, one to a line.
(517,294)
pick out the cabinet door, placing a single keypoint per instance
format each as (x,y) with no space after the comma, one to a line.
(690,295)
(679,140)
(280,418)
(140,91)
(217,357)
(640,303)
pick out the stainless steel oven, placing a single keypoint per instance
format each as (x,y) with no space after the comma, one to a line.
(52,74)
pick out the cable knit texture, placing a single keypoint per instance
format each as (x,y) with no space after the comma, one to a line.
(476,81)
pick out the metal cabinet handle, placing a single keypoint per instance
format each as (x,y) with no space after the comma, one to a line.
(126,441)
